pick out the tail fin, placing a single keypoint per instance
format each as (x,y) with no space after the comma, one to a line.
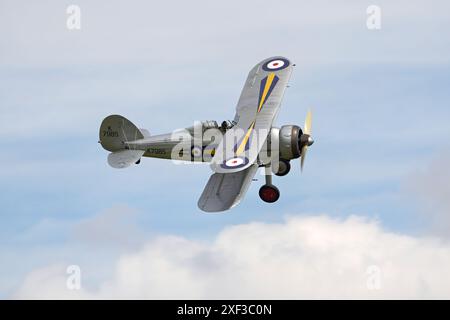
(116,131)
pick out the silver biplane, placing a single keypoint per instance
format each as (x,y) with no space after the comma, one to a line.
(235,149)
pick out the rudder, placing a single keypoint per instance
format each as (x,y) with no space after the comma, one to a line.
(115,131)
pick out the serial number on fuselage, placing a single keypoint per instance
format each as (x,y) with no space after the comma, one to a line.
(156,151)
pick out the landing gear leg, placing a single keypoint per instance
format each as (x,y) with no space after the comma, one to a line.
(268,192)
(268,174)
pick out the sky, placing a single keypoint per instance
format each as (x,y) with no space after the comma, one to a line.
(368,217)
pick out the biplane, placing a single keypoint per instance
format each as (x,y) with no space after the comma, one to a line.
(234,149)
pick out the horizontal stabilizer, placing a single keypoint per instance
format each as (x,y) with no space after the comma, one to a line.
(124,158)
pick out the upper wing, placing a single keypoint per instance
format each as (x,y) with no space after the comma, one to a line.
(225,190)
(256,110)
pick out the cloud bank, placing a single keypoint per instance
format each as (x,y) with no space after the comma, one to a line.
(302,257)
(430,186)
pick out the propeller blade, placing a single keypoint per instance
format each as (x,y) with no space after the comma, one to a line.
(307,131)
(302,160)
(308,120)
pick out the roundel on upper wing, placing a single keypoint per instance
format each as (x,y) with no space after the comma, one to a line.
(275,64)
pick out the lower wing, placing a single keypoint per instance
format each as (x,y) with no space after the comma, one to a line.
(225,190)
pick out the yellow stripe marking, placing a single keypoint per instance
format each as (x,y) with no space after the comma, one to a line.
(269,81)
(244,141)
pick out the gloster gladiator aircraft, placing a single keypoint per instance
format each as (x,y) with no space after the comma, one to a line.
(235,149)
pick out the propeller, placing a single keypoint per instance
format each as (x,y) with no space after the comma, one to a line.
(306,140)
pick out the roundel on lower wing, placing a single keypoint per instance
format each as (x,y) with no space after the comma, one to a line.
(234,163)
(275,64)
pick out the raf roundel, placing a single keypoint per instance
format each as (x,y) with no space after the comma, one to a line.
(234,163)
(275,64)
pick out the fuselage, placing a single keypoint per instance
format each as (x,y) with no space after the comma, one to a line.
(195,143)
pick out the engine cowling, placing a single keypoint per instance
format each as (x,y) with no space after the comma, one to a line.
(289,142)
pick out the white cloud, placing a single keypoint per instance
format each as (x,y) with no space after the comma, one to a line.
(431,187)
(303,257)
(115,227)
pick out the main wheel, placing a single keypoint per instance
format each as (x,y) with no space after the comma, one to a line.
(269,193)
(284,167)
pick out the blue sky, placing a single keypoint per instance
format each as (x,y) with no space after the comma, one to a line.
(380,102)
